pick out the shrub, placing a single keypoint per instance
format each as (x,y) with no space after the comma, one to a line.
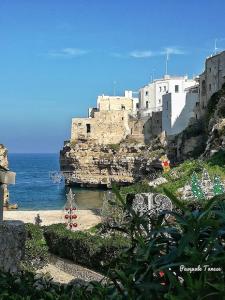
(91,250)
(27,286)
(213,101)
(217,159)
(36,251)
(154,267)
(114,147)
(111,215)
(140,187)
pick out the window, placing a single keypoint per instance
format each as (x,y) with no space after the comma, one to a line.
(137,105)
(164,88)
(210,87)
(203,91)
(160,89)
(122,118)
(210,70)
(176,88)
(122,107)
(79,124)
(88,126)
(146,93)
(159,101)
(146,104)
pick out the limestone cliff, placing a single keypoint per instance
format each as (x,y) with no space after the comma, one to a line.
(4,165)
(3,157)
(202,137)
(89,164)
(216,124)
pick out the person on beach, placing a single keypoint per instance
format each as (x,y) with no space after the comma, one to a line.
(37,220)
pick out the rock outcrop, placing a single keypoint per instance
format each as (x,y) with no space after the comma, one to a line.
(216,128)
(93,165)
(4,165)
(12,245)
(202,137)
(3,157)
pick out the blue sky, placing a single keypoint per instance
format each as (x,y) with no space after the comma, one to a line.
(57,56)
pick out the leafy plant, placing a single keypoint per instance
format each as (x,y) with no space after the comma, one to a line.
(85,248)
(36,250)
(194,239)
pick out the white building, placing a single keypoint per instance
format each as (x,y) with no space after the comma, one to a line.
(178,109)
(151,95)
(174,97)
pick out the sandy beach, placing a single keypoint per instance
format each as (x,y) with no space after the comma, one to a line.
(85,220)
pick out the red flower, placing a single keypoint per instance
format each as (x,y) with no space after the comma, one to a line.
(74,224)
(161,274)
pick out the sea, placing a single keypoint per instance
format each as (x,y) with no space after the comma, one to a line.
(36,190)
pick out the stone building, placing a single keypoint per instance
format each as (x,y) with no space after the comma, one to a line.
(112,121)
(210,81)
(105,127)
(126,102)
(153,126)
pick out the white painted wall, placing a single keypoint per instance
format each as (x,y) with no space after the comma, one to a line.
(177,110)
(152,94)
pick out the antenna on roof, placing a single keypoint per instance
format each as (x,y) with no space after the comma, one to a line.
(215,46)
(167,58)
(114,88)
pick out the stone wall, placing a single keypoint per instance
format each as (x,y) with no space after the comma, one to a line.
(211,80)
(136,127)
(12,245)
(115,103)
(107,127)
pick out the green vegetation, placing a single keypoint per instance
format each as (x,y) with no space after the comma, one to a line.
(26,286)
(73,143)
(158,265)
(181,175)
(211,107)
(141,187)
(36,250)
(85,248)
(114,147)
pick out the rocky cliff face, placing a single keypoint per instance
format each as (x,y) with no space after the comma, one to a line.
(216,127)
(4,165)
(3,157)
(202,137)
(93,165)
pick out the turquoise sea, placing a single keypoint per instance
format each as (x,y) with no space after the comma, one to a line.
(35,190)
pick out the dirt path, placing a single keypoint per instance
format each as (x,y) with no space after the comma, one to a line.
(65,271)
